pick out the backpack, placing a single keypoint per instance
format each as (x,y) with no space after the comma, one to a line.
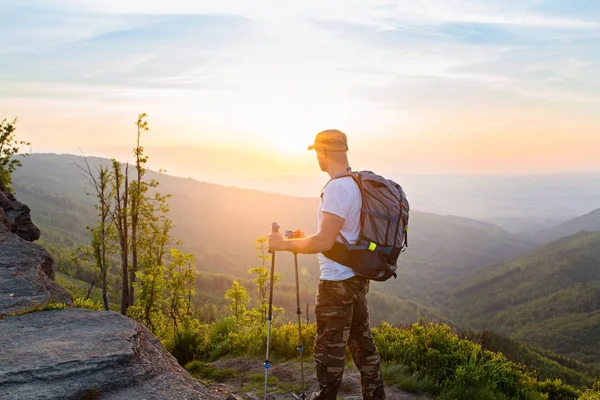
(383,228)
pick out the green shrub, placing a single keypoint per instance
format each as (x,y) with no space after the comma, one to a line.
(590,395)
(88,304)
(426,358)
(251,340)
(285,340)
(185,343)
(53,306)
(593,393)
(219,340)
(435,351)
(557,390)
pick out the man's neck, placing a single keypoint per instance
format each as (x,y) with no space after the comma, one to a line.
(337,169)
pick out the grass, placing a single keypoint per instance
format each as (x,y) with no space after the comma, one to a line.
(256,383)
(209,374)
(36,308)
(395,374)
(469,393)
(78,303)
(78,289)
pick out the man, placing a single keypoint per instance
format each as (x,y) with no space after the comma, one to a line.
(341,309)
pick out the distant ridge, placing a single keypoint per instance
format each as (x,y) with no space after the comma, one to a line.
(588,222)
(219,224)
(549,297)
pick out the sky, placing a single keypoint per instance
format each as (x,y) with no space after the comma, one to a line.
(238,89)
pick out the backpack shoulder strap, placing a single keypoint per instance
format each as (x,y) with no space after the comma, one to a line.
(356,177)
(348,172)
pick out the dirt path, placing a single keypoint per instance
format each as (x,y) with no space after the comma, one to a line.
(284,379)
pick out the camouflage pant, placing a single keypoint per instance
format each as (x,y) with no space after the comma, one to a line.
(343,320)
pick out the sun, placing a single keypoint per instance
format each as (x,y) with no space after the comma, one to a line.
(293,133)
(293,141)
(291,126)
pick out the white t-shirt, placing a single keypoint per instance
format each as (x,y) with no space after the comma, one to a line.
(342,198)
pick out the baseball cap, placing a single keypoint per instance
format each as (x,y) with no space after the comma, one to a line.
(330,139)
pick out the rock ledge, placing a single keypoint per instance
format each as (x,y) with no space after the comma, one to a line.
(67,354)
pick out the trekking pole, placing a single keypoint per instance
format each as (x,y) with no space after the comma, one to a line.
(274,229)
(299,312)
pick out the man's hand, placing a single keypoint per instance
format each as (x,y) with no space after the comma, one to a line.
(297,234)
(299,243)
(276,242)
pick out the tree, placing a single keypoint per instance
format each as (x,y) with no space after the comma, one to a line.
(136,221)
(211,313)
(151,288)
(119,215)
(102,231)
(238,298)
(137,190)
(153,231)
(9,146)
(179,285)
(263,276)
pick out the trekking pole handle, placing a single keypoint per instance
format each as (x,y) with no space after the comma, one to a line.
(274,227)
(290,235)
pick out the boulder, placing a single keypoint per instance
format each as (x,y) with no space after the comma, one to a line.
(26,276)
(75,354)
(26,269)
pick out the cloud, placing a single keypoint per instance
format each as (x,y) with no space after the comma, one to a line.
(381,13)
(252,67)
(485,12)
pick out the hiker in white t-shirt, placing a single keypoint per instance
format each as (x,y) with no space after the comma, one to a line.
(341,309)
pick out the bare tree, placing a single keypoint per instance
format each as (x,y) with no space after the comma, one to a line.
(100,180)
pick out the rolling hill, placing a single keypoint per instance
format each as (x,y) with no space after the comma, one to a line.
(548,365)
(549,297)
(587,222)
(218,224)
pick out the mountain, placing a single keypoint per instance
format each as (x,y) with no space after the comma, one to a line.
(443,250)
(587,222)
(549,297)
(53,348)
(218,224)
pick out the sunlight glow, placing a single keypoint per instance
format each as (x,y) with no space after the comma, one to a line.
(435,86)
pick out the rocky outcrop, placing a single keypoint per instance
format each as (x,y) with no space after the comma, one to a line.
(26,276)
(73,353)
(26,269)
(17,216)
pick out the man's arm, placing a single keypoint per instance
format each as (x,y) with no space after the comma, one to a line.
(313,244)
